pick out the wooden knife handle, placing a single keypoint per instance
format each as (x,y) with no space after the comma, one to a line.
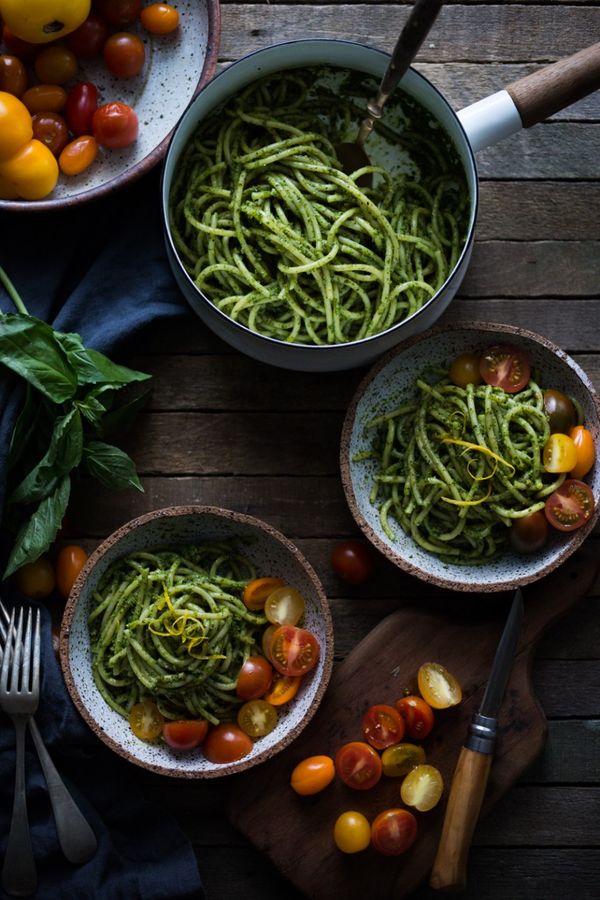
(449,871)
(539,95)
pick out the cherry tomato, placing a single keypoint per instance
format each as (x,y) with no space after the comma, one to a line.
(13,77)
(529,534)
(352,561)
(82,103)
(393,831)
(257,591)
(571,506)
(55,64)
(358,765)
(313,775)
(401,758)
(185,734)
(32,171)
(506,367)
(560,410)
(293,651)
(438,687)
(51,129)
(352,832)
(465,370)
(226,743)
(586,452)
(257,718)
(283,689)
(266,641)
(25,50)
(255,678)
(78,155)
(560,454)
(119,12)
(382,726)
(285,606)
(15,125)
(422,788)
(7,191)
(146,720)
(45,98)
(159,18)
(115,125)
(124,54)
(69,563)
(417,715)
(42,21)
(36,579)
(87,41)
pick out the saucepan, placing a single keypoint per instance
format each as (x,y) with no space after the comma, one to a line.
(523,103)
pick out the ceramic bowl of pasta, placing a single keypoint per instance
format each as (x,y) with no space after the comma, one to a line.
(197,642)
(468,456)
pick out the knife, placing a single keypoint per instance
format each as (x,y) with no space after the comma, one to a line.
(449,871)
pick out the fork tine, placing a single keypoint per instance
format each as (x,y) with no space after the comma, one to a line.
(17,652)
(4,614)
(35,678)
(26,665)
(6,659)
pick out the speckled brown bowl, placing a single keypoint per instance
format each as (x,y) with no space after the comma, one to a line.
(271,553)
(390,382)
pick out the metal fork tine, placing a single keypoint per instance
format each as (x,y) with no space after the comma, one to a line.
(4,614)
(17,652)
(26,665)
(35,677)
(6,659)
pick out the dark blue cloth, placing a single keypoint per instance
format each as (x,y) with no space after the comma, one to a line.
(99,270)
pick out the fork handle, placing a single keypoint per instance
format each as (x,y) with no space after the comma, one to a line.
(19,878)
(77,840)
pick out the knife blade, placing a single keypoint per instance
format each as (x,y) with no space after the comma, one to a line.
(470,778)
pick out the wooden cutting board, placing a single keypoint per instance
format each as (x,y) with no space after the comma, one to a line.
(296,832)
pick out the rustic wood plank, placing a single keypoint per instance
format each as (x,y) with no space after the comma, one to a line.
(528,816)
(571,754)
(538,211)
(568,688)
(566,150)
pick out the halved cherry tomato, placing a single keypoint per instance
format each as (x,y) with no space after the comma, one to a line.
(401,758)
(82,102)
(586,451)
(465,370)
(55,64)
(560,410)
(15,125)
(352,832)
(438,687)
(393,831)
(283,689)
(422,788)
(45,98)
(358,765)
(50,129)
(571,506)
(226,743)
(115,125)
(293,651)
(266,641)
(69,563)
(255,678)
(285,606)
(382,726)
(13,77)
(159,18)
(124,54)
(417,715)
(257,718)
(146,720)
(119,12)
(560,454)
(87,41)
(185,734)
(506,367)
(36,579)
(353,561)
(313,775)
(529,534)
(32,170)
(78,155)
(257,591)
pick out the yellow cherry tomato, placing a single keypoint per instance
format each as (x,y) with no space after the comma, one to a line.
(40,21)
(560,453)
(352,832)
(586,452)
(78,155)
(32,171)
(313,775)
(15,125)
(438,687)
(146,720)
(401,758)
(422,788)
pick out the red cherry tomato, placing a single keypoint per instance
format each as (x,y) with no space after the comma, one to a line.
(69,563)
(506,367)
(119,12)
(185,734)
(417,715)
(51,129)
(382,726)
(13,77)
(353,561)
(115,125)
(87,41)
(18,47)
(226,743)
(571,506)
(586,452)
(159,18)
(358,765)
(255,678)
(124,54)
(293,651)
(393,831)
(529,534)
(82,102)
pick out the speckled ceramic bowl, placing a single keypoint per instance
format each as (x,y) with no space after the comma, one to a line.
(271,553)
(392,380)
(177,65)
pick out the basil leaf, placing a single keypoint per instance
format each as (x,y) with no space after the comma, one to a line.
(63,454)
(24,428)
(111,373)
(39,531)
(93,367)
(118,419)
(29,347)
(110,466)
(95,404)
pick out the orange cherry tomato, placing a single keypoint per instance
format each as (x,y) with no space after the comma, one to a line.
(146,720)
(313,775)
(77,156)
(417,715)
(69,563)
(185,734)
(283,688)
(393,831)
(226,743)
(13,77)
(255,678)
(293,651)
(36,579)
(159,18)
(586,452)
(7,191)
(358,765)
(15,125)
(32,171)
(45,98)
(55,64)
(51,129)
(257,591)
(382,726)
(352,832)
(438,687)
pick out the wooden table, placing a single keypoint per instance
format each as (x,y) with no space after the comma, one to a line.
(224,430)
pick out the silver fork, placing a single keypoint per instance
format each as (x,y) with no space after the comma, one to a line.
(77,840)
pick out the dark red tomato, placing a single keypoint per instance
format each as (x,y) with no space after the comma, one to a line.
(119,12)
(124,54)
(393,831)
(417,715)
(382,726)
(185,734)
(358,765)
(13,77)
(529,534)
(506,367)
(293,651)
(255,678)
(226,743)
(115,125)
(571,506)
(353,561)
(82,103)
(560,410)
(51,129)
(18,47)
(87,41)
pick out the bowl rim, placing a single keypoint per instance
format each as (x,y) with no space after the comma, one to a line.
(175,512)
(346,467)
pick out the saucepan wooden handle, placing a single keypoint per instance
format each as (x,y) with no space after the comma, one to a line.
(539,95)
(449,871)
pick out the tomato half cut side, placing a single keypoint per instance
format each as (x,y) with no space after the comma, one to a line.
(257,718)
(505,366)
(257,591)
(293,651)
(417,715)
(438,687)
(393,831)
(358,765)
(382,726)
(146,720)
(570,506)
(283,689)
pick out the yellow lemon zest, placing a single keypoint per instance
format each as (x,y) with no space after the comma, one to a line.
(468,502)
(481,477)
(468,445)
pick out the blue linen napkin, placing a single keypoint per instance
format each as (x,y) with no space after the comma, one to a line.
(99,270)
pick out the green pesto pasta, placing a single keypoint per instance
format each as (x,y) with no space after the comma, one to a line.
(281,240)
(171,626)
